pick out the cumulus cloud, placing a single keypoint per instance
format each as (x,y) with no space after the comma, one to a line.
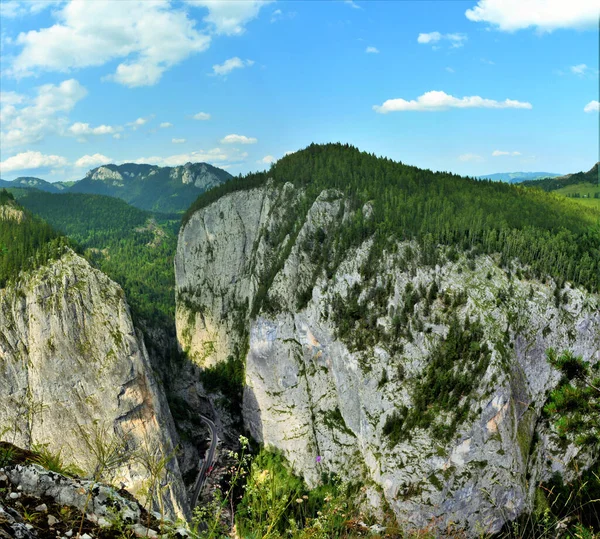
(139,122)
(164,125)
(457,40)
(28,120)
(201,116)
(238,139)
(437,100)
(545,15)
(178,140)
(91,161)
(82,129)
(498,153)
(10,9)
(214,155)
(372,50)
(592,106)
(229,18)
(31,160)
(432,37)
(11,98)
(470,157)
(266,160)
(229,65)
(94,33)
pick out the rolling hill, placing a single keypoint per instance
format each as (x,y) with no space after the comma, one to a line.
(516,177)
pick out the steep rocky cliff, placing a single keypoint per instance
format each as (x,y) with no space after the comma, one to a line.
(74,372)
(422,373)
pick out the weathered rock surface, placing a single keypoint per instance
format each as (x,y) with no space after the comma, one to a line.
(74,371)
(310,393)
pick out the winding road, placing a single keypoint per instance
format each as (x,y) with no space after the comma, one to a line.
(207,462)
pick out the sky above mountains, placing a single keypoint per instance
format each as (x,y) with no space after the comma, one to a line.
(473,87)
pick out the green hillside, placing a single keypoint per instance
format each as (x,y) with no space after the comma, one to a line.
(553,235)
(132,246)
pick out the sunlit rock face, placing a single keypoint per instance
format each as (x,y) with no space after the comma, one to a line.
(251,280)
(74,371)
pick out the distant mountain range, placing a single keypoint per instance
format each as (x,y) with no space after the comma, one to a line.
(517,177)
(148,187)
(555,183)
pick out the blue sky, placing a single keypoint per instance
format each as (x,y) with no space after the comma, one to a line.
(472,87)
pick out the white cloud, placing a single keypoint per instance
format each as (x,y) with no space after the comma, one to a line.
(139,122)
(31,160)
(178,140)
(229,65)
(592,106)
(94,33)
(11,98)
(470,157)
(229,17)
(117,136)
(14,8)
(372,50)
(238,139)
(164,125)
(434,37)
(545,15)
(201,116)
(498,153)
(436,100)
(91,161)
(266,160)
(352,4)
(82,129)
(215,155)
(449,70)
(579,69)
(40,116)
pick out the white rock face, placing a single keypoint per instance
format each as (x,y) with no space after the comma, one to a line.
(104,173)
(72,365)
(323,401)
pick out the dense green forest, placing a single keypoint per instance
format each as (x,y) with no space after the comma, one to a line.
(26,242)
(553,235)
(132,246)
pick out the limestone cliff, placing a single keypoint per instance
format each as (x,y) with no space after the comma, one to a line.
(73,368)
(338,355)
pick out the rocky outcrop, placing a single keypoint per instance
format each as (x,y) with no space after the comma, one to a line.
(75,376)
(336,355)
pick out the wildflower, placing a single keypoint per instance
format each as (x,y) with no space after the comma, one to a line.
(318,459)
(299,500)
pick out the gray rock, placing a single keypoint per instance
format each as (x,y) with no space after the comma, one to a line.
(323,405)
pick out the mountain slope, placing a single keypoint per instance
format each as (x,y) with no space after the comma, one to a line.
(149,187)
(516,177)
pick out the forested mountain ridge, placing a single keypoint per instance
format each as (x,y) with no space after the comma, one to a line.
(394,201)
(516,177)
(150,187)
(34,183)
